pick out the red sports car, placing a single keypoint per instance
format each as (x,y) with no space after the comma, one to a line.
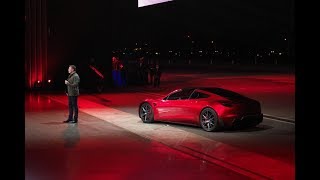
(211,108)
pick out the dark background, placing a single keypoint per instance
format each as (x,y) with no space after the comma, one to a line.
(16,49)
(79,30)
(231,23)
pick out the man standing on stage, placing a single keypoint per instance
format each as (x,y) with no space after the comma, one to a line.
(72,92)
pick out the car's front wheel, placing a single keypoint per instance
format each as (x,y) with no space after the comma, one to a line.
(146,113)
(209,119)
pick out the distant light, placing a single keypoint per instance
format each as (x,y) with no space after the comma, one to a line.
(285,39)
(192,41)
(37,84)
(212,42)
(280,54)
(157,53)
(49,81)
(200,51)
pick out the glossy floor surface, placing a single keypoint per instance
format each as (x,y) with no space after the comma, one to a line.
(111,142)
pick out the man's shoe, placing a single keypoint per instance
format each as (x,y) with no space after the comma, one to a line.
(68,120)
(74,121)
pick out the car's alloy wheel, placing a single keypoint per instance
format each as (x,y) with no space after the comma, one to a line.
(209,119)
(146,113)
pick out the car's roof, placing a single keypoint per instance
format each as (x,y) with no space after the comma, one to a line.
(217,91)
(200,88)
(188,89)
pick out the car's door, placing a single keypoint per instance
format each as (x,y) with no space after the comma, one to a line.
(192,106)
(167,108)
(182,110)
(176,106)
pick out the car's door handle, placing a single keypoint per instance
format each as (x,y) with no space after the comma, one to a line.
(154,104)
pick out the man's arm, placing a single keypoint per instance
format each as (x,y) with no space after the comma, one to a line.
(76,81)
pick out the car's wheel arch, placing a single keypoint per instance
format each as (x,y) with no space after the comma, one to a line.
(141,105)
(152,110)
(220,121)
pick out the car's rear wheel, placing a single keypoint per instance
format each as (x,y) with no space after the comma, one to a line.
(146,113)
(209,119)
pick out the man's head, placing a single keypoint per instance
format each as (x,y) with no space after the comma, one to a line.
(71,69)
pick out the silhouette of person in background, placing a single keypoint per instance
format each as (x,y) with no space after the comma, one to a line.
(157,76)
(151,72)
(142,71)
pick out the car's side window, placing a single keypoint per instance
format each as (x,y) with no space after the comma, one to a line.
(198,95)
(175,96)
(181,95)
(194,95)
(202,95)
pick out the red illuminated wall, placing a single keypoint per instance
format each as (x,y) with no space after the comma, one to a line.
(35,41)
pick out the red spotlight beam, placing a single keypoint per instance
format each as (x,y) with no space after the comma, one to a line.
(97,71)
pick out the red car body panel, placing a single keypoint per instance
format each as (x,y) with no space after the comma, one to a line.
(187,111)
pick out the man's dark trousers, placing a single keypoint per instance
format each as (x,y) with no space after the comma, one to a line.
(73,108)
